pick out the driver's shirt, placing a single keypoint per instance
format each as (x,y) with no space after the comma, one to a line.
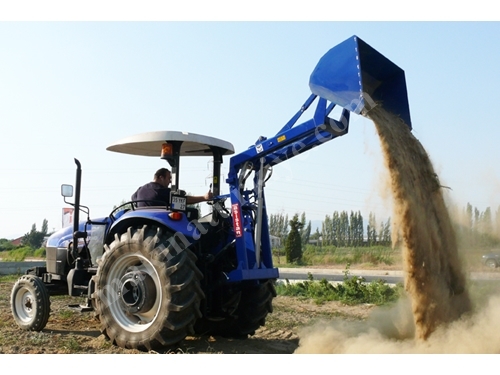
(154,193)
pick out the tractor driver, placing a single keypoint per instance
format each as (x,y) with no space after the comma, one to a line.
(158,191)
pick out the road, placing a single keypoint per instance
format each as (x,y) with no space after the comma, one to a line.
(330,274)
(390,277)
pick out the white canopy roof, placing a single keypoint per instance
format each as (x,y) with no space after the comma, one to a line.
(150,144)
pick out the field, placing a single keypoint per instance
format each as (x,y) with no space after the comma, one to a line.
(69,331)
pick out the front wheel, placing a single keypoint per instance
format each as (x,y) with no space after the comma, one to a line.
(491,263)
(30,303)
(147,289)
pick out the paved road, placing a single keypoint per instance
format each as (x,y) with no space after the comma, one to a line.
(390,277)
(330,274)
(12,268)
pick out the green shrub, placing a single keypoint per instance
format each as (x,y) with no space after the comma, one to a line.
(353,290)
(293,243)
(17,255)
(40,253)
(318,255)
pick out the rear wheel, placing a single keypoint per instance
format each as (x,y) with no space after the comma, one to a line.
(147,289)
(254,303)
(30,303)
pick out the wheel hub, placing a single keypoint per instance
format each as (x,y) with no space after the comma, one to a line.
(28,306)
(137,292)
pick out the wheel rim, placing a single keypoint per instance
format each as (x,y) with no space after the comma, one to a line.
(25,305)
(133,291)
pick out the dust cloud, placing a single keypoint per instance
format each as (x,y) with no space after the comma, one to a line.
(391,331)
(437,316)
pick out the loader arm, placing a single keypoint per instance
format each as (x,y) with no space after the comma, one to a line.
(352,75)
(253,245)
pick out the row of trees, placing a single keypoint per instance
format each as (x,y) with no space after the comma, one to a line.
(279,227)
(33,239)
(474,228)
(342,229)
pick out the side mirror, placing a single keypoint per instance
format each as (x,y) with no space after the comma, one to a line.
(67,191)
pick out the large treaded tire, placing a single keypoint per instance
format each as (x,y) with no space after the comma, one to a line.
(163,310)
(254,306)
(30,303)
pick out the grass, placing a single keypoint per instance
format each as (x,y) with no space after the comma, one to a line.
(16,255)
(71,344)
(331,255)
(8,278)
(353,290)
(21,253)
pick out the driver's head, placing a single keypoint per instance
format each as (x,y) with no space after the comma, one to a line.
(163,177)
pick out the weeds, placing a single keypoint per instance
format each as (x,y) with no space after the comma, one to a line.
(353,290)
(38,338)
(66,314)
(16,255)
(71,344)
(21,253)
(324,255)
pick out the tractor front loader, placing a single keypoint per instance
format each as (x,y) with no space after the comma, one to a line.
(156,274)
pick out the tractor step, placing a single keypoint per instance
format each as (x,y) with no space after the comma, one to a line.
(81,308)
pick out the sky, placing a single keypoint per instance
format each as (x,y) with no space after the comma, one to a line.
(72,83)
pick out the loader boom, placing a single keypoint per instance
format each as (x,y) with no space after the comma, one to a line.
(352,75)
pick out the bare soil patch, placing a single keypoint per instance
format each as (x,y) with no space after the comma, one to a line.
(70,331)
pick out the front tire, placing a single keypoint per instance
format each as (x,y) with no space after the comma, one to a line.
(30,303)
(491,263)
(147,291)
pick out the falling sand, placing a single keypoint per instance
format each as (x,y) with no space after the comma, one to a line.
(433,275)
(438,306)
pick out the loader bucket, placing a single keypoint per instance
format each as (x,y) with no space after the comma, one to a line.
(357,77)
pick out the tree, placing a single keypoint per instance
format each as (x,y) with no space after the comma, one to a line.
(336,235)
(371,229)
(45,227)
(293,244)
(306,234)
(359,229)
(344,229)
(326,231)
(497,222)
(278,226)
(34,238)
(5,244)
(316,235)
(385,232)
(305,230)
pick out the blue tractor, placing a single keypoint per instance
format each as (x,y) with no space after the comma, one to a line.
(156,274)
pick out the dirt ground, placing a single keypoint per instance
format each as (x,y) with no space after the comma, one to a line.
(70,331)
